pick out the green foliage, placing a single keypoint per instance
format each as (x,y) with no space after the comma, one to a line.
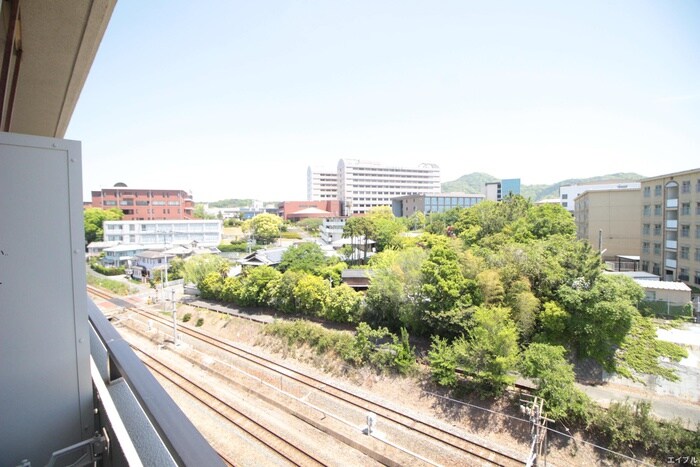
(311,225)
(231,203)
(257,285)
(93,221)
(96,266)
(491,286)
(239,246)
(186,317)
(490,354)
(443,362)
(416,221)
(176,269)
(385,227)
(356,229)
(641,352)
(210,286)
(198,267)
(200,322)
(555,379)
(200,212)
(265,228)
(117,287)
(343,305)
(552,322)
(626,426)
(282,297)
(601,315)
(311,295)
(289,235)
(305,256)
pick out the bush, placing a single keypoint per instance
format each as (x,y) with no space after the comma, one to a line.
(200,322)
(238,247)
(106,271)
(187,317)
(290,235)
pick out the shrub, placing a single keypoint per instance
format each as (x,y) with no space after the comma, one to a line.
(290,235)
(199,322)
(187,317)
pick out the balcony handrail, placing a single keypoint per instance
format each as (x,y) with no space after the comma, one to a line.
(184,442)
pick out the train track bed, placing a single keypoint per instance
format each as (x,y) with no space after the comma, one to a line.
(237,422)
(400,439)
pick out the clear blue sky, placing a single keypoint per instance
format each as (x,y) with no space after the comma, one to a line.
(235,99)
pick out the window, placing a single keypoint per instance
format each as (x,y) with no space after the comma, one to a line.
(697,277)
(657,209)
(126,202)
(647,191)
(685,209)
(645,247)
(657,190)
(657,230)
(565,196)
(646,228)
(645,266)
(110,202)
(697,209)
(646,210)
(685,252)
(565,204)
(140,202)
(655,269)
(685,186)
(697,254)
(657,248)
(697,231)
(685,231)
(684,275)
(697,185)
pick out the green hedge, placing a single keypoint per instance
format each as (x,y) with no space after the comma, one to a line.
(106,271)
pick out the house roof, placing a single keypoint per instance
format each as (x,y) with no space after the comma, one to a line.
(663,285)
(153,254)
(311,210)
(356,273)
(264,257)
(102,244)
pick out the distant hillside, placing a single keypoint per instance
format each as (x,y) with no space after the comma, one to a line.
(471,183)
(474,183)
(231,203)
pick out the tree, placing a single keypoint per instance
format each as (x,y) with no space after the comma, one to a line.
(311,295)
(311,224)
(600,315)
(344,305)
(264,227)
(416,221)
(201,213)
(491,286)
(385,226)
(306,256)
(282,296)
(490,353)
(356,227)
(257,284)
(93,221)
(555,378)
(198,267)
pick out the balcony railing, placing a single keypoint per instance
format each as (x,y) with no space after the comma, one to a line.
(672,224)
(672,203)
(671,263)
(140,417)
(671,244)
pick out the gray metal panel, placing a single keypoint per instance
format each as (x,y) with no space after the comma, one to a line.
(45,387)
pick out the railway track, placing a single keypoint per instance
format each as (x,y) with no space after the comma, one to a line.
(266,436)
(472,452)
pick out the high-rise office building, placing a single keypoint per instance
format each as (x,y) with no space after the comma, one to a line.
(321,184)
(363,185)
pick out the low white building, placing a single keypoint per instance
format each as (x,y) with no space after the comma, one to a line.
(205,232)
(569,193)
(331,229)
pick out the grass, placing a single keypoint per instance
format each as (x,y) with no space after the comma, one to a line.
(119,288)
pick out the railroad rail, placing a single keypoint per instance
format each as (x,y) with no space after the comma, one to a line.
(471,450)
(289,451)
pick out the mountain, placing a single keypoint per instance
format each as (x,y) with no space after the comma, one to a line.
(470,183)
(474,183)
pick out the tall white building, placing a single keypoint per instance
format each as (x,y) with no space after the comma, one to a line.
(569,193)
(363,185)
(321,184)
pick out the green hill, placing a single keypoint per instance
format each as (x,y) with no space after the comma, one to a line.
(470,183)
(474,183)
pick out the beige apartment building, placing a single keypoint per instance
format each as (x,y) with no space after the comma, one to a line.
(671,226)
(609,220)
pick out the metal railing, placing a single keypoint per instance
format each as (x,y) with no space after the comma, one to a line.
(165,421)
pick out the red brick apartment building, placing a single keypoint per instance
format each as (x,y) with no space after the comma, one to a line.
(297,210)
(145,204)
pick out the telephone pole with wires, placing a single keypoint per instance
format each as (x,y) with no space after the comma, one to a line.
(533,407)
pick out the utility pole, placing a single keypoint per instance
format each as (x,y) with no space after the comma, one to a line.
(534,408)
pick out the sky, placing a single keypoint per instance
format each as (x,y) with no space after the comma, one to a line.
(235,99)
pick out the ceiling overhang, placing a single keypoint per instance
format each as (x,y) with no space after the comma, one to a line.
(50,54)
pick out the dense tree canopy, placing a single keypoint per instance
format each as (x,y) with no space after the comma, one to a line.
(265,228)
(306,256)
(93,220)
